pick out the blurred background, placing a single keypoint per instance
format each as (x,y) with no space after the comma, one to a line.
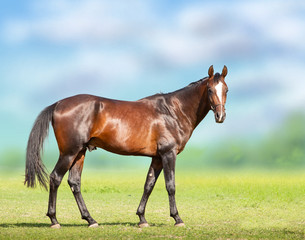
(131,49)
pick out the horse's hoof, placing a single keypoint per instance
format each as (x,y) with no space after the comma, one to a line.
(94,225)
(143,225)
(180,225)
(55,226)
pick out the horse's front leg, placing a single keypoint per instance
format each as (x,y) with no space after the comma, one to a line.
(169,162)
(152,176)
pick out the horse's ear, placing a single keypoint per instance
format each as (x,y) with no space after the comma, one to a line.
(224,71)
(211,71)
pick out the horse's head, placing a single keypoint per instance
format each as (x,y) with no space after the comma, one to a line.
(217,93)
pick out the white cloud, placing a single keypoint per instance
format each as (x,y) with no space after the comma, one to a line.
(276,22)
(200,32)
(115,66)
(79,22)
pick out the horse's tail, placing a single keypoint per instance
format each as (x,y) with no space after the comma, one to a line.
(34,166)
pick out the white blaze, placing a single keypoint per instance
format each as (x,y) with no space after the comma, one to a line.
(219,91)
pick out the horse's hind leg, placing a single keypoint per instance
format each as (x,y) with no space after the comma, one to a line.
(152,176)
(74,181)
(62,166)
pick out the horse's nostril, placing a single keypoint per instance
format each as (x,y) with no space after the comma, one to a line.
(217,115)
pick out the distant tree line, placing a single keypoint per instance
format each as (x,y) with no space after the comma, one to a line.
(283,148)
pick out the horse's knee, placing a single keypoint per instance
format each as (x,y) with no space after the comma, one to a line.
(171,189)
(149,185)
(74,185)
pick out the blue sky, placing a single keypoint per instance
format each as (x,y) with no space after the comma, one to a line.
(130,49)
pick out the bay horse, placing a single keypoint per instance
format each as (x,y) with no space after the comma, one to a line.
(157,126)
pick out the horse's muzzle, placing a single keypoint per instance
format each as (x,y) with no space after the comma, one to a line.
(220,116)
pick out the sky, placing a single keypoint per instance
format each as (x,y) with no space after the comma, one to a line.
(127,50)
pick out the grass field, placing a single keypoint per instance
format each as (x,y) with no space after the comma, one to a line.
(213,205)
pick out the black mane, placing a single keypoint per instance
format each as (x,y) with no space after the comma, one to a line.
(193,84)
(199,81)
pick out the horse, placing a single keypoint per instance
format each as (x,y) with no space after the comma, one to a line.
(157,126)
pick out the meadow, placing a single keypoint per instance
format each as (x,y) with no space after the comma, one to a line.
(213,204)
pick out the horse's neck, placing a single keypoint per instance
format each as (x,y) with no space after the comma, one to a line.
(195,102)
(204,104)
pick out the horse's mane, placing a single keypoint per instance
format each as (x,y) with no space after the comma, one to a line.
(191,85)
(197,82)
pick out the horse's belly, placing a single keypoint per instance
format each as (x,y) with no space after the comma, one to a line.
(129,146)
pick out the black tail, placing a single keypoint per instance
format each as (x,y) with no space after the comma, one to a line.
(34,166)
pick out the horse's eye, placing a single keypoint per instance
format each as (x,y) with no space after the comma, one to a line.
(210,91)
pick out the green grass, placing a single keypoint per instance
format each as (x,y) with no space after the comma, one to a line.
(213,205)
